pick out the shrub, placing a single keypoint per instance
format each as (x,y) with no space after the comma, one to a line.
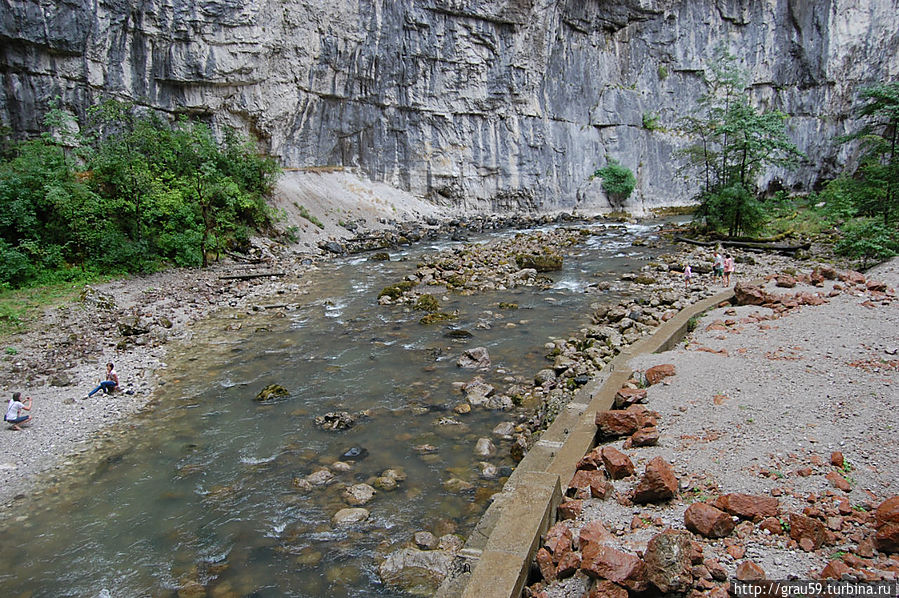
(617,180)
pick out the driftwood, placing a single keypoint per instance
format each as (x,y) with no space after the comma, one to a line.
(248,276)
(243,258)
(751,246)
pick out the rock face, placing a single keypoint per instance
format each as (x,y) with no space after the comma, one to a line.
(498,104)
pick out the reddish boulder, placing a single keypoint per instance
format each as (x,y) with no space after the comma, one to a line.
(568,565)
(607,589)
(593,482)
(716,569)
(747,294)
(807,532)
(617,464)
(643,437)
(591,460)
(748,506)
(835,570)
(705,520)
(876,285)
(887,511)
(624,423)
(545,564)
(667,561)
(658,484)
(785,281)
(629,396)
(772,525)
(837,459)
(657,373)
(558,540)
(603,562)
(593,532)
(887,538)
(570,509)
(838,481)
(749,571)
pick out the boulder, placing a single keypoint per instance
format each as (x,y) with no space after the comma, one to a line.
(568,564)
(626,397)
(335,420)
(477,391)
(607,589)
(416,571)
(748,294)
(322,477)
(349,516)
(604,562)
(476,358)
(749,571)
(484,448)
(131,326)
(272,391)
(667,561)
(425,540)
(887,511)
(558,540)
(658,484)
(705,520)
(593,483)
(545,564)
(785,281)
(355,453)
(593,532)
(749,506)
(657,373)
(887,538)
(504,429)
(455,485)
(570,509)
(544,376)
(617,464)
(807,532)
(616,422)
(358,494)
(643,437)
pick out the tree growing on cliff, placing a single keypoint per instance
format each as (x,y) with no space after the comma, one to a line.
(617,181)
(733,142)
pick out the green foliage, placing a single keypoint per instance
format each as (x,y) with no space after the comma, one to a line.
(662,71)
(877,177)
(651,122)
(125,192)
(305,214)
(733,143)
(617,180)
(868,240)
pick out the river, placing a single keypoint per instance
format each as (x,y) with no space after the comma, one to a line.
(200,492)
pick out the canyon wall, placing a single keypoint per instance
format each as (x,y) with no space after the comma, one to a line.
(476,104)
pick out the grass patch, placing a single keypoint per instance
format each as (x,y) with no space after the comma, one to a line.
(305,214)
(21,307)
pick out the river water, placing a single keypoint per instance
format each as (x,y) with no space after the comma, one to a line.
(200,490)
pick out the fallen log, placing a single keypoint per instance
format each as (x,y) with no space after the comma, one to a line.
(248,276)
(747,245)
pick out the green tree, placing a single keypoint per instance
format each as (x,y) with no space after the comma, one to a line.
(868,240)
(878,171)
(733,142)
(617,180)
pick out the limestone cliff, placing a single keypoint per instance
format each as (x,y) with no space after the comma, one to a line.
(495,104)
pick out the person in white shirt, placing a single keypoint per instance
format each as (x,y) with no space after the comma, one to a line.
(14,411)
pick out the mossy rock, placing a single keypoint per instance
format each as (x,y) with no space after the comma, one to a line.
(455,280)
(645,280)
(272,391)
(380,256)
(427,303)
(395,291)
(547,261)
(437,317)
(504,305)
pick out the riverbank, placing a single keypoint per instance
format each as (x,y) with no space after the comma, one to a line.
(771,453)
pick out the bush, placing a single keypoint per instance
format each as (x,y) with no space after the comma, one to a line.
(868,240)
(617,180)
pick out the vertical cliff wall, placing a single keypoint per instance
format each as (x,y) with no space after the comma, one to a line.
(501,104)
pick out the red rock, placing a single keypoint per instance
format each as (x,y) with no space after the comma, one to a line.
(658,484)
(570,509)
(865,548)
(603,562)
(806,529)
(804,472)
(835,523)
(876,285)
(593,532)
(643,437)
(716,569)
(696,557)
(834,570)
(887,538)
(816,460)
(748,506)
(594,481)
(591,460)
(569,564)
(667,561)
(719,592)
(705,520)
(785,281)
(828,273)
(617,422)
(887,511)
(772,524)
(747,294)
(657,373)
(837,459)
(626,397)
(607,589)
(838,481)
(844,507)
(545,564)
(749,571)
(617,464)
(735,551)
(558,540)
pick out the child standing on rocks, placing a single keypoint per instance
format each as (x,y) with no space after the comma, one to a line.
(728,269)
(14,411)
(688,276)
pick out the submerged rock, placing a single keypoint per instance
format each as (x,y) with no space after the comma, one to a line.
(356,453)
(350,516)
(416,571)
(335,420)
(272,391)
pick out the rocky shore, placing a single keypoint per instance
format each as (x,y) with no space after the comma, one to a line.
(758,449)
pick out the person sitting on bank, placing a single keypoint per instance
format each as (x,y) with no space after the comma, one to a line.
(14,411)
(111,384)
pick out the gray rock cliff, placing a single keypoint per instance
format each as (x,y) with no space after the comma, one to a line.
(502,104)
